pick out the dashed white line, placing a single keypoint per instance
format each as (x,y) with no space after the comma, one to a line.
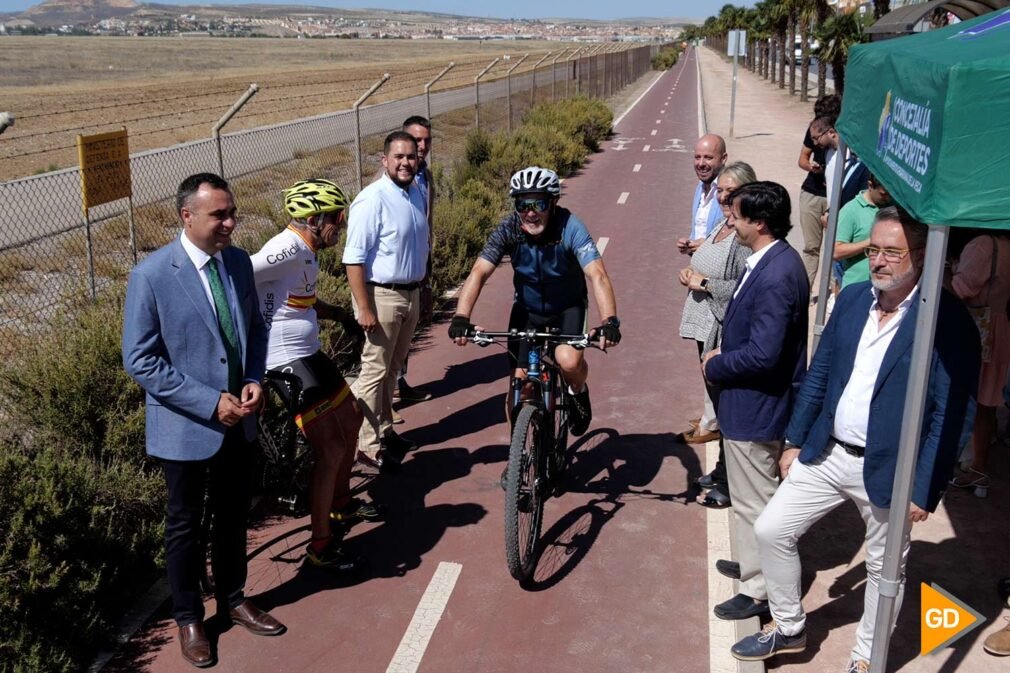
(632,106)
(662,112)
(659,121)
(637,168)
(415,641)
(654,132)
(623,198)
(601,244)
(645,148)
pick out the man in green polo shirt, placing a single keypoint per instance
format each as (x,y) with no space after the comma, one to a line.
(855,220)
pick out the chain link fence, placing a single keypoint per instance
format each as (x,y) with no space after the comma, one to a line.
(44,261)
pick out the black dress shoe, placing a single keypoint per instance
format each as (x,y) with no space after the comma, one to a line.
(1003,588)
(366,460)
(397,445)
(742,607)
(705,481)
(195,645)
(730,569)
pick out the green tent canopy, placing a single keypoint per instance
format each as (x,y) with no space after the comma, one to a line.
(929,114)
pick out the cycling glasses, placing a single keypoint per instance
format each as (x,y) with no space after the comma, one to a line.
(890,254)
(526,205)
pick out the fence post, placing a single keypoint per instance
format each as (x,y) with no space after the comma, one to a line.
(216,129)
(427,97)
(357,125)
(508,88)
(533,89)
(476,90)
(554,73)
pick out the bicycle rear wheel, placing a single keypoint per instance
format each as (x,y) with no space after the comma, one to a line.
(524,493)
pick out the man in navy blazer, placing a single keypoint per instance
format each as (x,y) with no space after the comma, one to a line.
(842,439)
(758,370)
(195,341)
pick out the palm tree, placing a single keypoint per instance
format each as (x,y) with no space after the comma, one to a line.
(807,14)
(836,36)
(881,7)
(822,13)
(791,13)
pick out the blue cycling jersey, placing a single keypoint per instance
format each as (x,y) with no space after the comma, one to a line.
(549,273)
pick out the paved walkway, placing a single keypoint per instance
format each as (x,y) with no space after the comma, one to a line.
(961,547)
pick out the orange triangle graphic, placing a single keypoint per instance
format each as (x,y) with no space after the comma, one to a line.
(944,619)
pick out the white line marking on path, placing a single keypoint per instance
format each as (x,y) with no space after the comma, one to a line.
(654,132)
(623,198)
(659,121)
(415,641)
(662,112)
(645,148)
(601,245)
(637,168)
(632,107)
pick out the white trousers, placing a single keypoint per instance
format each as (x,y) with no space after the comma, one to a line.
(806,495)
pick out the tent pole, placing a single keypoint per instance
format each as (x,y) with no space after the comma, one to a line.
(828,243)
(908,446)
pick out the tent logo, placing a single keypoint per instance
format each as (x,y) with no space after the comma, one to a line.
(1002,20)
(944,619)
(884,127)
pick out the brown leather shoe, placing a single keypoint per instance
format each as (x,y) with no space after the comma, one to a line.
(256,621)
(195,645)
(700,436)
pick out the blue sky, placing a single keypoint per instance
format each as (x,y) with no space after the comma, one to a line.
(532,9)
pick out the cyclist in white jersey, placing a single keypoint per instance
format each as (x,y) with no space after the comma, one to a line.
(286,271)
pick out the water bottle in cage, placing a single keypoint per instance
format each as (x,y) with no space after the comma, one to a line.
(533,363)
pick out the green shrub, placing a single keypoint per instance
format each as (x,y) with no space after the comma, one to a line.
(665,59)
(82,507)
(587,120)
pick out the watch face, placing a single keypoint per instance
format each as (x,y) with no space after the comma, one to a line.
(614,321)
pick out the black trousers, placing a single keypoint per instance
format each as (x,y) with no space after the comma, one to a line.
(719,473)
(223,483)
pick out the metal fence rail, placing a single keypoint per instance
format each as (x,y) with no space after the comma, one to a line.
(43,265)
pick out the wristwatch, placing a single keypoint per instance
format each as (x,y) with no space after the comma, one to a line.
(703,284)
(613,321)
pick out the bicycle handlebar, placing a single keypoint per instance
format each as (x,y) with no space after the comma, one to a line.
(577,341)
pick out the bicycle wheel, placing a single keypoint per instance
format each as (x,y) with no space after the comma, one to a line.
(559,449)
(524,493)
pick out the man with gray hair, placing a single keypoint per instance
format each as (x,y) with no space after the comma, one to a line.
(842,439)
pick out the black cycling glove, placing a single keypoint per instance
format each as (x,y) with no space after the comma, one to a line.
(610,332)
(460,327)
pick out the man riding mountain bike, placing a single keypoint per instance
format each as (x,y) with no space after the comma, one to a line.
(286,271)
(552,257)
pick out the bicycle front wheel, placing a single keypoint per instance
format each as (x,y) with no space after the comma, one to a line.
(524,493)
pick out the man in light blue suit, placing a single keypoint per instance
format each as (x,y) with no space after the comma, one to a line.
(709,159)
(195,341)
(842,438)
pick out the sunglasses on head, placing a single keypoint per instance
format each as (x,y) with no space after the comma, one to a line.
(526,205)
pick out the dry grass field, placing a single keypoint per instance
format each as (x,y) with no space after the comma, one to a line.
(171,90)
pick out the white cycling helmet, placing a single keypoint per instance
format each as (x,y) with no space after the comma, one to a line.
(535,180)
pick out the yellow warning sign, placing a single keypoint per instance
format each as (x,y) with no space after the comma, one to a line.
(105,167)
(944,619)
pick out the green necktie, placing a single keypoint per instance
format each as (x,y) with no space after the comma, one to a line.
(227,327)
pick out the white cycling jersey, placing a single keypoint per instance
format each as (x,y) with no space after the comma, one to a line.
(286,270)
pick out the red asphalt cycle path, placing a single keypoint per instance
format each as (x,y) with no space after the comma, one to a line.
(622,582)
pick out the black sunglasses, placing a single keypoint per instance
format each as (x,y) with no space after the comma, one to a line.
(526,205)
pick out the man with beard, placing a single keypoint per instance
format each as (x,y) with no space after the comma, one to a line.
(386,256)
(552,256)
(709,158)
(842,439)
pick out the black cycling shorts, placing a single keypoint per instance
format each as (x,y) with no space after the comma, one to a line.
(323,387)
(571,320)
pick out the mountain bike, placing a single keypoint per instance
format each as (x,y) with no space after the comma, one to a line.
(539,442)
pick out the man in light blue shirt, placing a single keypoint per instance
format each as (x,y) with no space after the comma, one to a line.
(386,257)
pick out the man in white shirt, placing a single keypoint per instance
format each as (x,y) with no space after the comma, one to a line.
(842,439)
(386,256)
(709,159)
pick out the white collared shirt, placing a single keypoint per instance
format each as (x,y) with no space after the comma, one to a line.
(752,263)
(852,416)
(387,232)
(200,259)
(700,229)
